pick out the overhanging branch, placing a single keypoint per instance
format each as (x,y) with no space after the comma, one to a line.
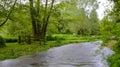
(7,17)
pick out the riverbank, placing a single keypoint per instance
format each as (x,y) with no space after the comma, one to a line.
(15,50)
(114,60)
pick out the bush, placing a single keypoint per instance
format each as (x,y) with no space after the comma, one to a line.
(10,40)
(2,42)
(50,38)
(114,60)
(116,46)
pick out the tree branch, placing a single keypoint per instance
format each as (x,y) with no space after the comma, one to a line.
(50,11)
(8,14)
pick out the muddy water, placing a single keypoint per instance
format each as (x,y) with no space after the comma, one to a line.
(86,54)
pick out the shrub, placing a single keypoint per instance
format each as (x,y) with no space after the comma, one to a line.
(10,40)
(114,60)
(2,42)
(50,38)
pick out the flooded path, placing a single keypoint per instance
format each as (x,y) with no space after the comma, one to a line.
(86,54)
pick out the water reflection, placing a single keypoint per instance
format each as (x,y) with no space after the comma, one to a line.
(72,55)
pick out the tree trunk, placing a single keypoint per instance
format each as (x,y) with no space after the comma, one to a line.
(39,29)
(46,19)
(32,11)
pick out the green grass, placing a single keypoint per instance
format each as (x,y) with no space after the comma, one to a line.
(14,50)
(114,60)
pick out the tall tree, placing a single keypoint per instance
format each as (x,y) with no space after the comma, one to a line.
(40,14)
(94,24)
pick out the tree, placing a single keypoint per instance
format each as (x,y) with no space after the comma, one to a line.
(18,23)
(87,22)
(111,27)
(7,17)
(110,24)
(40,14)
(94,23)
(73,17)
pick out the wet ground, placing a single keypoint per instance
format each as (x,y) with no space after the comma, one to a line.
(86,54)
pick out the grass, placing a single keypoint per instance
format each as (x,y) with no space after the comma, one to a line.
(15,50)
(113,60)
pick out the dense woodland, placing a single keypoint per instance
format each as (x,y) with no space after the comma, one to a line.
(41,20)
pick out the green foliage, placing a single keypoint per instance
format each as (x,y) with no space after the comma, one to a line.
(114,60)
(50,38)
(116,47)
(110,28)
(53,38)
(19,23)
(2,42)
(65,18)
(11,40)
(72,18)
(14,50)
